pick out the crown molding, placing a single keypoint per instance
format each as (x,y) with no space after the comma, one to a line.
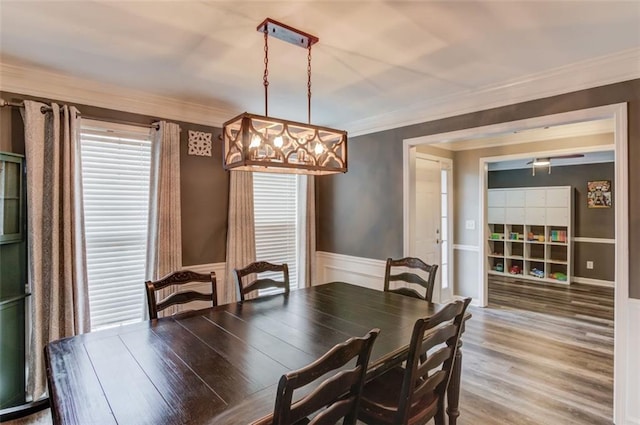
(596,72)
(610,69)
(54,85)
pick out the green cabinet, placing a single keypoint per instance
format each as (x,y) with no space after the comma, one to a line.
(11,205)
(13,278)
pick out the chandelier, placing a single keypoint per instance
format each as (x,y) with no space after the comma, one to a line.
(262,143)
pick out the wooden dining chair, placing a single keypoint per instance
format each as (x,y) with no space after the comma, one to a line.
(264,282)
(179,278)
(409,277)
(337,396)
(415,393)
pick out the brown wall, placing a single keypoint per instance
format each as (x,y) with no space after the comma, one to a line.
(384,223)
(204,184)
(588,222)
(360,212)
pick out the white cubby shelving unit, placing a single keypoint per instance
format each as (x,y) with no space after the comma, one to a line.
(529,233)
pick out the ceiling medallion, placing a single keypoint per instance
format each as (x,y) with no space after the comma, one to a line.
(262,143)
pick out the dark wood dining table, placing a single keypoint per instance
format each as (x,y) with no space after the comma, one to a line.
(222,365)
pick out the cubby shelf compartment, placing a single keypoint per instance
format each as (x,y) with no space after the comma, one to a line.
(530,228)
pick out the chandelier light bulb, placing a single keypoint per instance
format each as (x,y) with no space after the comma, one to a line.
(278,142)
(319,148)
(255,142)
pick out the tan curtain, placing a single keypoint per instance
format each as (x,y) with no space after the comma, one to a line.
(241,238)
(57,255)
(308,254)
(164,242)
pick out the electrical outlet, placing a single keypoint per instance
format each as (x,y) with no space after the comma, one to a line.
(590,265)
(470,224)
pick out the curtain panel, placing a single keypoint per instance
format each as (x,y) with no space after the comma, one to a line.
(164,241)
(56,242)
(241,238)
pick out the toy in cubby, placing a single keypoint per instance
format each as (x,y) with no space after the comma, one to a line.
(499,267)
(558,276)
(515,269)
(535,238)
(536,273)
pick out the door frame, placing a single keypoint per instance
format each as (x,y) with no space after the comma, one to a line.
(408,186)
(617,112)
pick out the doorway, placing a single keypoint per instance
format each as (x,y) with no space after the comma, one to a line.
(428,225)
(473,247)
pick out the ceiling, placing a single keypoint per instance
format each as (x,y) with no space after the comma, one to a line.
(588,158)
(374,58)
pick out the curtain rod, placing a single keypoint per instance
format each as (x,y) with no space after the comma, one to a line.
(45,109)
(116,121)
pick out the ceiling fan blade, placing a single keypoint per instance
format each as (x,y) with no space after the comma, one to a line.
(575,155)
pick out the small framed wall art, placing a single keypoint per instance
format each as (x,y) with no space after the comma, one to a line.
(599,194)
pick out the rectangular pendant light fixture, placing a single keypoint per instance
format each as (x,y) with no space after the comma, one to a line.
(262,143)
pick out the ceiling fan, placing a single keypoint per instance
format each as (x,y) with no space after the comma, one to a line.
(546,161)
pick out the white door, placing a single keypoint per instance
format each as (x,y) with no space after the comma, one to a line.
(429,228)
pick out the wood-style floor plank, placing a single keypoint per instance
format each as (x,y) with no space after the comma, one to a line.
(539,354)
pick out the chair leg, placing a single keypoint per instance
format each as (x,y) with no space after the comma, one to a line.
(440,417)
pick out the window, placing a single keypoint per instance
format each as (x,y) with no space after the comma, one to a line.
(116,163)
(279,203)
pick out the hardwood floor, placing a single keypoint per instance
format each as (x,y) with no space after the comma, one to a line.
(539,354)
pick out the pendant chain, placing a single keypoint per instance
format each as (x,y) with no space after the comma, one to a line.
(309,85)
(265,77)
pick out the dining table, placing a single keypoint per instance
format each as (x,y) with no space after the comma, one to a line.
(221,365)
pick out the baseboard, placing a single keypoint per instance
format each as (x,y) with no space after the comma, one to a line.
(360,271)
(594,282)
(594,240)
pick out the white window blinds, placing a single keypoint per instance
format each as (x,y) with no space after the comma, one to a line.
(276,221)
(116,163)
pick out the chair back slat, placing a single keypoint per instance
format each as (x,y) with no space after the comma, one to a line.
(334,413)
(261,283)
(176,279)
(428,385)
(182,297)
(337,384)
(340,393)
(410,278)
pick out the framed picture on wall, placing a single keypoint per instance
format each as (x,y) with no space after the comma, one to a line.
(599,194)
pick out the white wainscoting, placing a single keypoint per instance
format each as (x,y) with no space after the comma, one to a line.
(219,269)
(360,271)
(632,362)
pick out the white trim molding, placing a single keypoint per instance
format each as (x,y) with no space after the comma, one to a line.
(609,69)
(594,240)
(594,282)
(360,271)
(595,72)
(470,248)
(58,86)
(631,364)
(622,349)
